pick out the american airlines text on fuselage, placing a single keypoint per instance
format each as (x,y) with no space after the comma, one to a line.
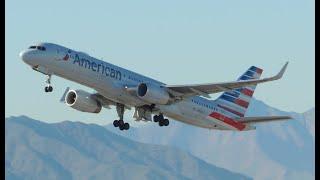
(101,67)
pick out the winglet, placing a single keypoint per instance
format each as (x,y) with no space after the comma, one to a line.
(283,69)
(64,95)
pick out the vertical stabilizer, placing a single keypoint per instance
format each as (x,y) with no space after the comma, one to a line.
(236,102)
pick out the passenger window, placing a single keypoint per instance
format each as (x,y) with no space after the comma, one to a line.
(32,47)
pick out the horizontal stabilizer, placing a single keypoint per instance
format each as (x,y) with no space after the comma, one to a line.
(262,119)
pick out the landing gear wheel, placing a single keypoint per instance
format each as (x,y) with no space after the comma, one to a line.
(48,89)
(121,123)
(166,122)
(156,118)
(116,123)
(121,127)
(126,126)
(161,122)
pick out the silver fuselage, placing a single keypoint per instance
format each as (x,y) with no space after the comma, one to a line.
(109,80)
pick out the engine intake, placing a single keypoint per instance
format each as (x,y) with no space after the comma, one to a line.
(153,94)
(82,101)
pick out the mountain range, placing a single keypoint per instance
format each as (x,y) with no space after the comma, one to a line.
(74,150)
(276,150)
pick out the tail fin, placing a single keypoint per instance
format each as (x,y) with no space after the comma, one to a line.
(236,102)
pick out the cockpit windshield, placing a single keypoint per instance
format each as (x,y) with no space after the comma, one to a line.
(41,48)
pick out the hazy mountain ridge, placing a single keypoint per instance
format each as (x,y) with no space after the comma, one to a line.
(72,150)
(278,150)
(310,121)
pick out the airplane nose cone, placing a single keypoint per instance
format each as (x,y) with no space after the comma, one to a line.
(21,54)
(25,56)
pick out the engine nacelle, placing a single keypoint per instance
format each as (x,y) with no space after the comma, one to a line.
(82,101)
(153,94)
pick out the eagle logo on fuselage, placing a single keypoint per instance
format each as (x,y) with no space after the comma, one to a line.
(67,56)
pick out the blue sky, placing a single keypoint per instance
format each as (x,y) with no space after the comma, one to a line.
(176,42)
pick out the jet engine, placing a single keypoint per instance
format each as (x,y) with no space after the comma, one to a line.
(153,94)
(82,101)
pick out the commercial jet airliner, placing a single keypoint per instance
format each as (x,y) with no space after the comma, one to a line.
(124,89)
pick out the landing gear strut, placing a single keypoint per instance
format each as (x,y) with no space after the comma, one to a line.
(120,123)
(48,88)
(160,119)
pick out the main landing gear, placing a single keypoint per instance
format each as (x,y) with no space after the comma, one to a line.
(160,119)
(120,123)
(48,88)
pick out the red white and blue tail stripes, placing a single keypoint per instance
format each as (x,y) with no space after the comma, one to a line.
(236,102)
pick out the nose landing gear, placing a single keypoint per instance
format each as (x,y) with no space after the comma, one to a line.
(48,88)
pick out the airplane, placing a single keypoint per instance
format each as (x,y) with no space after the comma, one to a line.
(124,89)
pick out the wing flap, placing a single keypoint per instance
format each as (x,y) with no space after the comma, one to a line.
(106,103)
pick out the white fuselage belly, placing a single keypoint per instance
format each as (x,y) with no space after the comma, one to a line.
(113,89)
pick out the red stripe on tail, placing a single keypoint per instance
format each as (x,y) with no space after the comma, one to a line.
(242,103)
(247,92)
(259,71)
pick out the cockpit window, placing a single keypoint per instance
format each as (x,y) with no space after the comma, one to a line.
(41,48)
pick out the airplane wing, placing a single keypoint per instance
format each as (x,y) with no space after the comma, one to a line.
(105,102)
(206,89)
(262,119)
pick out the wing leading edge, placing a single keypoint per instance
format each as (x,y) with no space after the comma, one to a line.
(206,89)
